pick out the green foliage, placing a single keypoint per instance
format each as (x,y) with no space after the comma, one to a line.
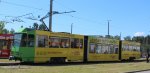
(35,26)
(42,27)
(2,25)
(12,31)
(127,38)
(3,30)
(109,36)
(113,37)
(117,37)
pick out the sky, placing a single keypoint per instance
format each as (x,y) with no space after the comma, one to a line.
(128,17)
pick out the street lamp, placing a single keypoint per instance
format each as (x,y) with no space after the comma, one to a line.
(108,28)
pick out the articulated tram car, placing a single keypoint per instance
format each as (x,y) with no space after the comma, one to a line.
(130,50)
(101,49)
(42,46)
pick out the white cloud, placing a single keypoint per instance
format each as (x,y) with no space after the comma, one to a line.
(139,34)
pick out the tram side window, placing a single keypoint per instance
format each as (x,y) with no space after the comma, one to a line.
(8,44)
(126,48)
(5,44)
(134,48)
(130,48)
(116,48)
(103,49)
(1,44)
(106,47)
(138,48)
(123,47)
(42,41)
(54,42)
(99,49)
(81,43)
(65,43)
(24,40)
(112,49)
(31,40)
(75,43)
(92,47)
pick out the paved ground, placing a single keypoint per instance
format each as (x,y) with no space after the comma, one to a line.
(143,72)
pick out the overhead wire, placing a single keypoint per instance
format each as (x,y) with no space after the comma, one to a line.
(20,5)
(25,6)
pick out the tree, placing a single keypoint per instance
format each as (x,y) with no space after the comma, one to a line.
(117,37)
(35,26)
(42,27)
(140,39)
(100,36)
(2,25)
(12,31)
(127,38)
(109,36)
(5,31)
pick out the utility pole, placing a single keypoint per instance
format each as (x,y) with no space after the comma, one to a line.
(108,27)
(51,13)
(147,47)
(71,27)
(120,35)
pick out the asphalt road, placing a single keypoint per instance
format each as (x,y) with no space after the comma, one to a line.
(143,72)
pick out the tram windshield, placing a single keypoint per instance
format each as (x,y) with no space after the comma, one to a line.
(23,40)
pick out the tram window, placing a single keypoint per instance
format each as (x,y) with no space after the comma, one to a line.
(75,43)
(106,49)
(42,41)
(111,49)
(31,40)
(8,43)
(5,43)
(81,43)
(54,42)
(103,49)
(138,49)
(130,48)
(24,40)
(92,48)
(134,48)
(127,47)
(123,48)
(116,48)
(1,44)
(99,49)
(65,43)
